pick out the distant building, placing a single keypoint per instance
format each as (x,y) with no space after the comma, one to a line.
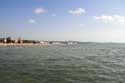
(8,40)
(71,43)
(44,43)
(1,40)
(5,40)
(19,40)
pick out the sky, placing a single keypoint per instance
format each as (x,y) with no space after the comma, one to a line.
(63,20)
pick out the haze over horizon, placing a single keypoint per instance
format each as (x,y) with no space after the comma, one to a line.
(64,20)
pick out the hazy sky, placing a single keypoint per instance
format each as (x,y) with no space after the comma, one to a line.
(80,20)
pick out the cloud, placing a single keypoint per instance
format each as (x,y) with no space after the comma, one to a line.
(78,11)
(39,10)
(32,21)
(110,18)
(53,15)
(81,25)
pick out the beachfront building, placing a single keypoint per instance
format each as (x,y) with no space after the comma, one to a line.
(19,40)
(1,40)
(6,40)
(44,43)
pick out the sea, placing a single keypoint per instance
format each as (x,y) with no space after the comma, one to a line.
(82,63)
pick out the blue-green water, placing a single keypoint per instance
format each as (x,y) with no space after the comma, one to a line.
(85,63)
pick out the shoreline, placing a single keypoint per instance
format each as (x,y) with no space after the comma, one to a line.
(23,44)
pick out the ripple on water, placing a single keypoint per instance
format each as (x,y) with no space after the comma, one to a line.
(62,64)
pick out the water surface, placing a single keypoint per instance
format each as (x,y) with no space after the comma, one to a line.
(84,63)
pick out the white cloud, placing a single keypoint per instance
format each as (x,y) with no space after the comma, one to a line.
(53,15)
(32,21)
(120,18)
(81,25)
(78,11)
(39,10)
(110,19)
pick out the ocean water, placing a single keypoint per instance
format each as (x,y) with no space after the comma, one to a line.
(83,63)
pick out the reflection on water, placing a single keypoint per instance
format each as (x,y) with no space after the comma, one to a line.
(85,63)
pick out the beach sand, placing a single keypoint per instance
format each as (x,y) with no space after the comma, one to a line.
(15,44)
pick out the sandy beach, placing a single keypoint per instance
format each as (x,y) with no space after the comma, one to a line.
(15,44)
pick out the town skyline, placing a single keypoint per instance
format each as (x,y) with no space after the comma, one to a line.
(62,20)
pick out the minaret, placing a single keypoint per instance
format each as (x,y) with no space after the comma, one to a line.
(18,40)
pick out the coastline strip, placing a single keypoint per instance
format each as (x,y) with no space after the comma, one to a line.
(23,44)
